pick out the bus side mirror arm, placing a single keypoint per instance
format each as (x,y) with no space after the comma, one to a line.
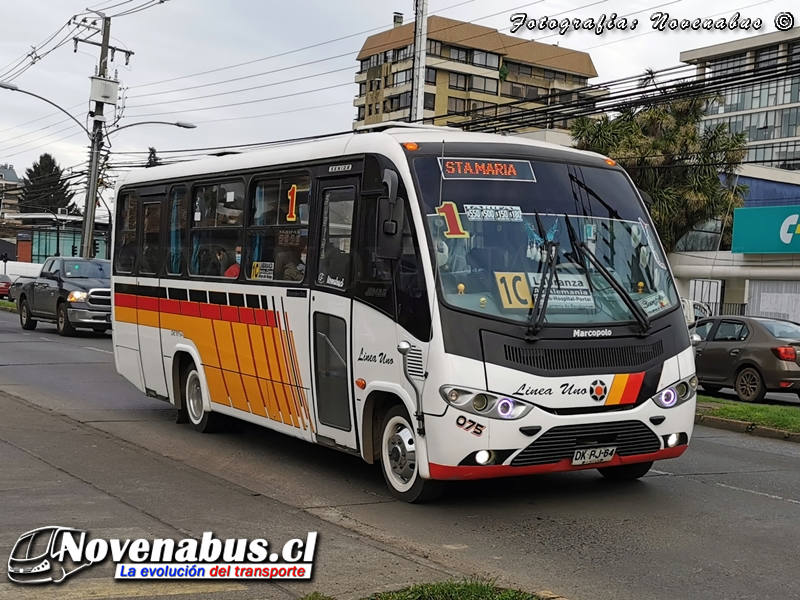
(391,211)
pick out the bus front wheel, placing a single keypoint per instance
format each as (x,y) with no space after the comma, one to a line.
(399,460)
(203,421)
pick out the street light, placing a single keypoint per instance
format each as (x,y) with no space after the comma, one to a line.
(96,140)
(14,88)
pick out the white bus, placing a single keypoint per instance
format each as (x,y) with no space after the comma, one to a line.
(450,305)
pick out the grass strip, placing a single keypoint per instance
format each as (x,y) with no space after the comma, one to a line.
(7,304)
(447,590)
(786,418)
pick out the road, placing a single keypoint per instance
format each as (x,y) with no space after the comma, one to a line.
(721,522)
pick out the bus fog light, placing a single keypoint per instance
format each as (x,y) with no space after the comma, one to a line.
(452,395)
(483,457)
(682,389)
(672,440)
(693,382)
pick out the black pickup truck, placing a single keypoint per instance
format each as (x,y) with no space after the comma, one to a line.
(70,292)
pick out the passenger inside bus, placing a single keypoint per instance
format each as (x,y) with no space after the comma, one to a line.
(233,270)
(291,261)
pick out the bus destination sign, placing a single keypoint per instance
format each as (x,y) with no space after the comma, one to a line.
(484,168)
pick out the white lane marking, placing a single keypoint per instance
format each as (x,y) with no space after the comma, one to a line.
(99,350)
(773,496)
(44,338)
(732,487)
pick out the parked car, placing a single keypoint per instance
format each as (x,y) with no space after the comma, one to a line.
(16,286)
(752,355)
(72,292)
(5,286)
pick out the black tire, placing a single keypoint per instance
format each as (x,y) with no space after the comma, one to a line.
(27,322)
(711,389)
(192,399)
(626,472)
(749,385)
(398,460)
(63,326)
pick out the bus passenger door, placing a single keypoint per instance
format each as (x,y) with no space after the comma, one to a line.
(147,300)
(330,314)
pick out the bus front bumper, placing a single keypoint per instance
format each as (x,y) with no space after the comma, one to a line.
(542,442)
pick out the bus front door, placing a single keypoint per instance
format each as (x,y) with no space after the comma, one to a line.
(331,308)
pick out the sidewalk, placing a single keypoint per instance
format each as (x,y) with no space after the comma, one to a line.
(56,471)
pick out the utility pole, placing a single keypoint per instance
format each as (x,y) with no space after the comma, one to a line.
(420,53)
(104,91)
(94,152)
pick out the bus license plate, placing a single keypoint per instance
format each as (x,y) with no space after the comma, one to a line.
(593,455)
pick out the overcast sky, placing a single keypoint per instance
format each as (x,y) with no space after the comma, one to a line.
(181,38)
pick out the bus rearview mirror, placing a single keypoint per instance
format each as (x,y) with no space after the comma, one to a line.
(390,228)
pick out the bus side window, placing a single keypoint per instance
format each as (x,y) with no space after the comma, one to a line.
(278,229)
(126,250)
(413,310)
(216,236)
(374,280)
(334,252)
(178,223)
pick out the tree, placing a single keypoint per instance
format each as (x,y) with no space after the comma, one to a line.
(672,158)
(44,187)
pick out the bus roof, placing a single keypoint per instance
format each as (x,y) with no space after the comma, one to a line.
(381,138)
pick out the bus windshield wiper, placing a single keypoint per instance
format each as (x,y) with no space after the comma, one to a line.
(539,308)
(638,312)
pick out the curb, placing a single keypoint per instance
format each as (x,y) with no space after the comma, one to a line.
(745,427)
(8,309)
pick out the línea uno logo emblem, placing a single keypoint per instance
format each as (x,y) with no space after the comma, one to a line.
(39,557)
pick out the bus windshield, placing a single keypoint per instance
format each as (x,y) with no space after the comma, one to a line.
(495,221)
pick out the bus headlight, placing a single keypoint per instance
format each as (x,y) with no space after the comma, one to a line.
(484,404)
(77,296)
(677,393)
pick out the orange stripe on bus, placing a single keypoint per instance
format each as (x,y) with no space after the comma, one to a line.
(148,318)
(253,393)
(277,375)
(289,390)
(225,347)
(197,330)
(301,390)
(259,352)
(244,351)
(293,369)
(125,314)
(216,386)
(270,399)
(617,388)
(233,381)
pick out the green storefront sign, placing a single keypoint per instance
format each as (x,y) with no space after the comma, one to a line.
(766,230)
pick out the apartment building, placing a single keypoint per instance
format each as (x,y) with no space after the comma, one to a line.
(761,271)
(471,71)
(10,189)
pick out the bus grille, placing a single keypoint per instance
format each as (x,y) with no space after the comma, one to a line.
(567,359)
(100,297)
(629,437)
(416,368)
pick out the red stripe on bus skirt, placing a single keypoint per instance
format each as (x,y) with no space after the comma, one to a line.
(458,473)
(172,307)
(125,300)
(147,303)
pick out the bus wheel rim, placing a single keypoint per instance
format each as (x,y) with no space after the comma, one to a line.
(399,454)
(194,397)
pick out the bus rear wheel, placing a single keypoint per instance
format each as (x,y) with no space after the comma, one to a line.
(203,421)
(399,460)
(626,472)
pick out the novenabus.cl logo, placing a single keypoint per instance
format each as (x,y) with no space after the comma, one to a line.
(39,556)
(789,228)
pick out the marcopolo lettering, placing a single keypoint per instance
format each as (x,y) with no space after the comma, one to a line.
(591,333)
